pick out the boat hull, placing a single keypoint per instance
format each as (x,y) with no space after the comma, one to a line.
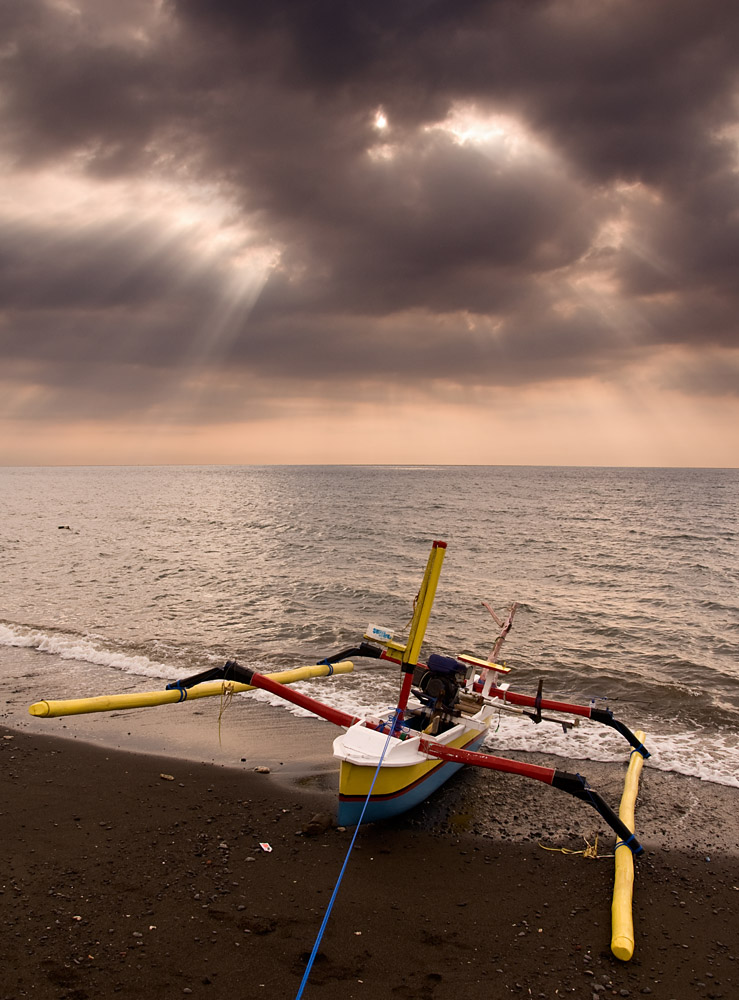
(396,789)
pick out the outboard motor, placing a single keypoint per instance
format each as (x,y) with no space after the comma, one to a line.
(439,686)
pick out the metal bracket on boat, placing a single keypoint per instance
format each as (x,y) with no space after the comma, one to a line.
(536,716)
(566,724)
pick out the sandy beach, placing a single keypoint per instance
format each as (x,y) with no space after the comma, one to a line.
(139,875)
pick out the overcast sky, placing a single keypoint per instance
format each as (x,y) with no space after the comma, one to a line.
(397,231)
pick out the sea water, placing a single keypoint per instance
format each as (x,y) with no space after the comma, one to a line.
(626,581)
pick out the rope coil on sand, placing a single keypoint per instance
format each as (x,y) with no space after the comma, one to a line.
(591,851)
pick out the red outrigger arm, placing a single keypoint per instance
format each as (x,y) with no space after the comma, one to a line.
(574,784)
(233,671)
(602,715)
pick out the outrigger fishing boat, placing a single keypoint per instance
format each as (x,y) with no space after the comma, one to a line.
(442,716)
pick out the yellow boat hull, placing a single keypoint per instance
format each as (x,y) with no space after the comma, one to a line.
(396,788)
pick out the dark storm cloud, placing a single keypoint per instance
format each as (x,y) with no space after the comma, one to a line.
(422,347)
(103,266)
(470,262)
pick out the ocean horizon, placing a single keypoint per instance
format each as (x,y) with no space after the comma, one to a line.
(626,579)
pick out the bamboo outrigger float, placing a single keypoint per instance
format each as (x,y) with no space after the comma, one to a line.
(442,716)
(622,921)
(177,693)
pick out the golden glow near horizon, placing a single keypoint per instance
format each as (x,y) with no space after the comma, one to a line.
(586,423)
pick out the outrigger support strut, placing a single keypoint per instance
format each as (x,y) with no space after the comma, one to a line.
(578,786)
(574,784)
(233,671)
(602,715)
(605,716)
(230,671)
(364,649)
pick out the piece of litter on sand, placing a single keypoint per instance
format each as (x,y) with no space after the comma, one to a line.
(266,848)
(167,777)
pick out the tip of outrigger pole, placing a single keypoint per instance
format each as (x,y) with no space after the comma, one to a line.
(39,708)
(622,948)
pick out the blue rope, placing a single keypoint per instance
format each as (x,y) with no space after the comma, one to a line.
(322,928)
(625,843)
(177,686)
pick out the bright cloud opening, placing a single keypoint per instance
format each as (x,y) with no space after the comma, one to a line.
(499,133)
(381,120)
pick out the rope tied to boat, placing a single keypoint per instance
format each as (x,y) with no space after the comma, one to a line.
(178,686)
(326,915)
(625,843)
(227,695)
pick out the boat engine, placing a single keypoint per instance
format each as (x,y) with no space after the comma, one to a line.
(438,687)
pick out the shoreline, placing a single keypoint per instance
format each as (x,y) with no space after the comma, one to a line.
(252,733)
(119,881)
(674,811)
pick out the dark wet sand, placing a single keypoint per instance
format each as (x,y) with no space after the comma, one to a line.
(118,882)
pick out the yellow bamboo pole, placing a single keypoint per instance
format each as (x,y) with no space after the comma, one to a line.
(424,603)
(622,922)
(146,699)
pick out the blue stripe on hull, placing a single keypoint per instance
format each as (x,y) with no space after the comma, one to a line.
(384,808)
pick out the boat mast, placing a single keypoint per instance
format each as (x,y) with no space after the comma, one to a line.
(421,611)
(505,627)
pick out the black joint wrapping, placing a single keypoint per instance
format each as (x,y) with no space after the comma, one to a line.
(370,651)
(212,674)
(233,671)
(604,715)
(575,784)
